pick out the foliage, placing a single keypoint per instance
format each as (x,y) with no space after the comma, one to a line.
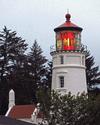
(37,65)
(11,47)
(92,71)
(66,109)
(12,50)
(71,110)
(24,73)
(44,98)
(48,76)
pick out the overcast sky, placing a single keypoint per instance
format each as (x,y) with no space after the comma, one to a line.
(36,19)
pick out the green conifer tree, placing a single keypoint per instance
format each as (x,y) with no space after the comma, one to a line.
(37,64)
(11,49)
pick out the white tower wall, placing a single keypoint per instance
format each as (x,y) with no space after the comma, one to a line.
(73,71)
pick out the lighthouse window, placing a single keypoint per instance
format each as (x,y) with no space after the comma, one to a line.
(68,39)
(61,59)
(59,45)
(61,79)
(83,60)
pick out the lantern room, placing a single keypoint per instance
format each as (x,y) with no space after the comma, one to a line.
(68,36)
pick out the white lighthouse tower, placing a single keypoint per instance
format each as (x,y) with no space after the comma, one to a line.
(68,60)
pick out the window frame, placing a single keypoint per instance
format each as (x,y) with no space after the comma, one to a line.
(61,59)
(61,81)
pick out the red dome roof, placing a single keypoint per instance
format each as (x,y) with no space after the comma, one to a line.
(68,25)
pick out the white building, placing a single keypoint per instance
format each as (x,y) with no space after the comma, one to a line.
(68,60)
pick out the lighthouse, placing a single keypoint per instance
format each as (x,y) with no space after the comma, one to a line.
(68,72)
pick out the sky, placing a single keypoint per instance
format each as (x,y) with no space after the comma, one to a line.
(36,20)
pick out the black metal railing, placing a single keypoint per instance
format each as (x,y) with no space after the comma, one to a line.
(82,48)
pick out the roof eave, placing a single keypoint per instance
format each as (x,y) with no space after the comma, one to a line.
(68,28)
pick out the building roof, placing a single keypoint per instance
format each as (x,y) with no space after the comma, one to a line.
(22,111)
(68,25)
(10,121)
